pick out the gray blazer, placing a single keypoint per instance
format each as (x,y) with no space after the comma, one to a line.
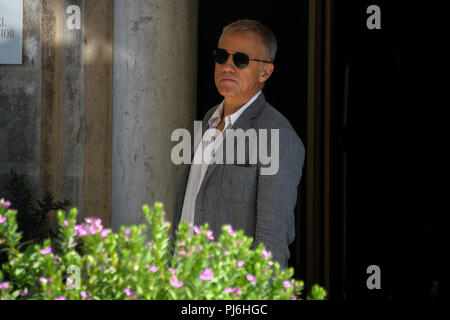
(236,194)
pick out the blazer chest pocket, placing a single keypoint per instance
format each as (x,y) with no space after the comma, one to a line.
(239,183)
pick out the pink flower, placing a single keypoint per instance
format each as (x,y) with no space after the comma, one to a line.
(73,244)
(69,280)
(152,269)
(206,275)
(127,232)
(287,284)
(209,234)
(251,278)
(98,223)
(23,294)
(172,271)
(197,230)
(293,297)
(4,285)
(60,298)
(43,280)
(128,292)
(92,229)
(104,233)
(85,295)
(81,232)
(235,290)
(231,231)
(4,203)
(175,282)
(66,223)
(46,251)
(266,254)
(2,220)
(240,263)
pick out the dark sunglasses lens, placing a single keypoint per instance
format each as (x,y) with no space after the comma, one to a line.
(220,56)
(241,60)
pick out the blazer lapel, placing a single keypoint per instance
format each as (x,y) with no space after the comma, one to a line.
(244,122)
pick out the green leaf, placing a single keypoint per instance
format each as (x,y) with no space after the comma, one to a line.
(317,293)
(19,272)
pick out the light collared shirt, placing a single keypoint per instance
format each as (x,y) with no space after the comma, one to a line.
(197,171)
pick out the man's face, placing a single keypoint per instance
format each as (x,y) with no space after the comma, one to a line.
(235,83)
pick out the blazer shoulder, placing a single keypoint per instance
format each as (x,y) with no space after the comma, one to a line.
(271,118)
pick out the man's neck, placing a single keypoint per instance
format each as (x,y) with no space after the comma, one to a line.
(233,104)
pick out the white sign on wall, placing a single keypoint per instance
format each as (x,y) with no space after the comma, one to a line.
(11,26)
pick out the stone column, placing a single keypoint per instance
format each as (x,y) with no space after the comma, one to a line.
(154,92)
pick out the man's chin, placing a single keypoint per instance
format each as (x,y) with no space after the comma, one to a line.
(226,91)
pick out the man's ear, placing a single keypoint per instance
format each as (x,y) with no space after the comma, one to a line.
(266,72)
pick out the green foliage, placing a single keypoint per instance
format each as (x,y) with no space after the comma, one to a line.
(141,262)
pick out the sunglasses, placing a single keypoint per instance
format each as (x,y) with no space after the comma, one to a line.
(240,60)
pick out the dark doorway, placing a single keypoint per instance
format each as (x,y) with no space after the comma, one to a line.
(286,90)
(390,95)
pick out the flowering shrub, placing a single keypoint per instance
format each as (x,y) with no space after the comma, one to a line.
(140,262)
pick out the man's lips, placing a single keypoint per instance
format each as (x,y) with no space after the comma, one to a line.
(227,79)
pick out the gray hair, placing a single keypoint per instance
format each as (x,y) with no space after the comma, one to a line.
(267,36)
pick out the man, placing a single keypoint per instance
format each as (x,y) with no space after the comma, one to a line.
(239,194)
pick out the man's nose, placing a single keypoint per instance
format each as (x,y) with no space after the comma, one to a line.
(229,64)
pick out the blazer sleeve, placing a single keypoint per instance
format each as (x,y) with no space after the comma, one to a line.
(277,197)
